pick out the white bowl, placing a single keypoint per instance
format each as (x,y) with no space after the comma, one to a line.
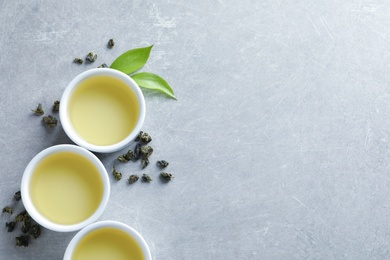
(32,209)
(67,123)
(107,224)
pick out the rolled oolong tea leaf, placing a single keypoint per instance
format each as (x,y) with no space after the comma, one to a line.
(8,209)
(132,60)
(122,159)
(146,151)
(91,57)
(39,111)
(152,81)
(22,216)
(146,178)
(35,231)
(145,138)
(50,121)
(17,196)
(26,225)
(126,157)
(133,178)
(103,66)
(166,176)
(129,155)
(162,163)
(138,138)
(78,61)
(22,240)
(110,43)
(144,163)
(10,226)
(56,106)
(117,175)
(137,151)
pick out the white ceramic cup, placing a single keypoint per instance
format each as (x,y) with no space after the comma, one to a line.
(107,224)
(66,121)
(29,204)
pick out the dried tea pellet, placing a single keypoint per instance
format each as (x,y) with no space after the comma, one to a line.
(50,121)
(35,231)
(22,216)
(146,151)
(146,178)
(144,163)
(117,175)
(56,106)
(91,57)
(10,226)
(137,152)
(26,225)
(162,163)
(7,209)
(103,66)
(138,138)
(39,111)
(22,241)
(110,43)
(17,196)
(133,178)
(145,138)
(78,61)
(166,176)
(126,157)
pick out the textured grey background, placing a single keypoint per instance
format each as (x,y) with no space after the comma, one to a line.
(279,140)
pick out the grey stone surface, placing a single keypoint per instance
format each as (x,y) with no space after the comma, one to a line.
(279,140)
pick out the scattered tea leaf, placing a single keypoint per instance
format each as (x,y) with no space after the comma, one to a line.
(50,121)
(132,60)
(162,163)
(146,151)
(145,138)
(126,157)
(146,178)
(17,195)
(35,231)
(26,225)
(7,209)
(138,138)
(133,178)
(39,111)
(56,106)
(10,226)
(22,216)
(22,241)
(103,66)
(110,43)
(137,151)
(117,175)
(152,81)
(144,163)
(166,176)
(78,61)
(91,57)
(122,159)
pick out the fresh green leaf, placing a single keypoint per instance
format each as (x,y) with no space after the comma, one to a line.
(153,81)
(132,60)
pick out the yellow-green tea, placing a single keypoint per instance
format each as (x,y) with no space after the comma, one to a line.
(103,110)
(108,243)
(66,188)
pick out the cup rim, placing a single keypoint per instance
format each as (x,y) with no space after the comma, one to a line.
(67,124)
(25,188)
(104,224)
